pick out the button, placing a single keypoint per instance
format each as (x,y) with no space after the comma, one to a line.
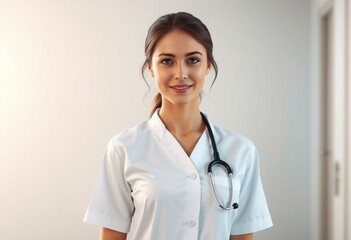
(193,176)
(191,224)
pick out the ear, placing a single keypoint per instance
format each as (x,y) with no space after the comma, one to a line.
(150,70)
(208,69)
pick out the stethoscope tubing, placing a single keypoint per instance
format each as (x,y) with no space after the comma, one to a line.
(218,161)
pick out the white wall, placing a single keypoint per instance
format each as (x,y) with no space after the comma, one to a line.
(70,79)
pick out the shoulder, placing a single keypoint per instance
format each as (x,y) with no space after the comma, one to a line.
(233,138)
(131,136)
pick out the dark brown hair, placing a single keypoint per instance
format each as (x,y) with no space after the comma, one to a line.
(184,22)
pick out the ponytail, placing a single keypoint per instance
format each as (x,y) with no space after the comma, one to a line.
(157,103)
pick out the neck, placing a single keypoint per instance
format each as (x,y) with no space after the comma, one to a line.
(181,119)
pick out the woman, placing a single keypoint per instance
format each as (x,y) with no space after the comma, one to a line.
(153,182)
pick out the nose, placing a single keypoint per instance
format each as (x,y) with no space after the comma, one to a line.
(180,72)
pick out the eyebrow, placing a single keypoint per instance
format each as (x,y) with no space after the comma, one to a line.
(173,55)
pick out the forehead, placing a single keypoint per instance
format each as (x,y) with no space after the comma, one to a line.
(178,42)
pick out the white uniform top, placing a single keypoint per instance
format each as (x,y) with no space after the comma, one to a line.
(150,188)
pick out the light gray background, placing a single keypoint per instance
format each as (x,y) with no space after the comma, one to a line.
(70,80)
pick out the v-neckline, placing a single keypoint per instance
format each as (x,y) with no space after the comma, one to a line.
(163,134)
(171,137)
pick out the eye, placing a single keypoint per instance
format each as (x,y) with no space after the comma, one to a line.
(167,61)
(193,60)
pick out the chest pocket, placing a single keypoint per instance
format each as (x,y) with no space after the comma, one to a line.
(222,187)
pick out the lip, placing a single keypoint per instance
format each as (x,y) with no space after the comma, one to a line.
(181,88)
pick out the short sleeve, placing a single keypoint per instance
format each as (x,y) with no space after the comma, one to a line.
(111,205)
(253,214)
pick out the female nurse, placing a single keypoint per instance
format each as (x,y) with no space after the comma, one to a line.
(153,182)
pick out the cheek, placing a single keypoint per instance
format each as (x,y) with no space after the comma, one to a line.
(161,77)
(199,73)
(159,72)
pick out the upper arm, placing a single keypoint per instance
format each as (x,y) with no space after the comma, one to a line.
(253,214)
(111,205)
(248,236)
(109,234)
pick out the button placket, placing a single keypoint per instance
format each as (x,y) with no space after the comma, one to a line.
(192,188)
(194,206)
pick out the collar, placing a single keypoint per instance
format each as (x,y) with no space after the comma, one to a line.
(157,125)
(160,129)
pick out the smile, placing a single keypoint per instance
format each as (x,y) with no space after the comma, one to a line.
(181,87)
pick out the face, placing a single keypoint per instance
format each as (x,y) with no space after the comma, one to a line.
(179,66)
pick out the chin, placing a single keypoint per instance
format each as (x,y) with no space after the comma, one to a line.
(184,101)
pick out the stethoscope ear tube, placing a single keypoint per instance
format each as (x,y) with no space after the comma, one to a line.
(213,142)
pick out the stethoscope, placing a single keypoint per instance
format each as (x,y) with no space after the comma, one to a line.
(218,161)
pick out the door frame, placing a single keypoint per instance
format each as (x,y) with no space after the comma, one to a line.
(348,116)
(334,156)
